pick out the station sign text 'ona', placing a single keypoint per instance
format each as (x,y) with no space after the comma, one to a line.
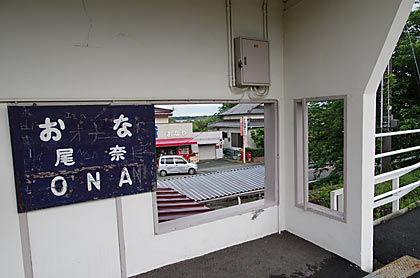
(71,154)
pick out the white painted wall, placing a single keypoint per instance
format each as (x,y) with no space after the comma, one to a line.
(169,50)
(338,48)
(228,143)
(163,120)
(78,240)
(174,130)
(211,143)
(146,251)
(136,50)
(11,264)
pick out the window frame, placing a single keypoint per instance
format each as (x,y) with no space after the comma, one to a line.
(180,161)
(271,181)
(302,156)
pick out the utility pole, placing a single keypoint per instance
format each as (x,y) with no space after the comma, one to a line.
(387,141)
(244,133)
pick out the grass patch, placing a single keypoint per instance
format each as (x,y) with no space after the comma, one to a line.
(321,196)
(320,193)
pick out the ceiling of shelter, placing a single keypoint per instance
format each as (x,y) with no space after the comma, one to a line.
(290,3)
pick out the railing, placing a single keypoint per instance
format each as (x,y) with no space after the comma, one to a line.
(397,192)
(336,199)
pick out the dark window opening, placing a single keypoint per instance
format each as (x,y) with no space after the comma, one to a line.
(237,140)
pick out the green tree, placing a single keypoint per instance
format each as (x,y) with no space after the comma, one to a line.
(404,83)
(258,137)
(326,138)
(201,124)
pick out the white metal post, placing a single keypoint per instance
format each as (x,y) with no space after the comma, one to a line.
(396,203)
(244,150)
(382,117)
(244,131)
(305,153)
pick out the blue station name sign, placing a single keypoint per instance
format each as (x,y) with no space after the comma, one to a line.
(70,154)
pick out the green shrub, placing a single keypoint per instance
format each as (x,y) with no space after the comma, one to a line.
(256,152)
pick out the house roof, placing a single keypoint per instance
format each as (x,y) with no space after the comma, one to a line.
(163,112)
(244,109)
(172,205)
(236,124)
(218,185)
(175,142)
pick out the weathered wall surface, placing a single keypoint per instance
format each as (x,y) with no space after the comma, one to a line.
(177,50)
(338,48)
(125,49)
(11,263)
(179,245)
(119,50)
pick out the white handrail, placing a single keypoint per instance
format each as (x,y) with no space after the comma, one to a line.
(336,199)
(386,134)
(392,196)
(392,192)
(397,192)
(396,173)
(396,196)
(397,152)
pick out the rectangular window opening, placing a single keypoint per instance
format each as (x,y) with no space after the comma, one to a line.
(208,174)
(320,155)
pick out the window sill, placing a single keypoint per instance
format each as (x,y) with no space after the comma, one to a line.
(336,215)
(202,218)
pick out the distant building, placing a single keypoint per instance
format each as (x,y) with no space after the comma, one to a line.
(162,115)
(173,138)
(209,144)
(230,125)
(179,138)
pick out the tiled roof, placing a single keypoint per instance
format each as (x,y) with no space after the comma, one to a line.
(243,109)
(172,205)
(236,124)
(163,112)
(218,185)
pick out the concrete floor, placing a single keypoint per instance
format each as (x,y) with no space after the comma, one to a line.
(275,256)
(288,256)
(398,237)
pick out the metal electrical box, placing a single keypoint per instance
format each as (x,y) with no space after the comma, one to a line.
(252,62)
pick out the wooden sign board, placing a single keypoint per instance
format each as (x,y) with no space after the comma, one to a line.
(70,154)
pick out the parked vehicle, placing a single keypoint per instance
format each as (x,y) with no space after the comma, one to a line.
(175,164)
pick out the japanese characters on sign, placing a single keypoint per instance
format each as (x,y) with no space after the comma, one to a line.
(71,154)
(244,125)
(176,133)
